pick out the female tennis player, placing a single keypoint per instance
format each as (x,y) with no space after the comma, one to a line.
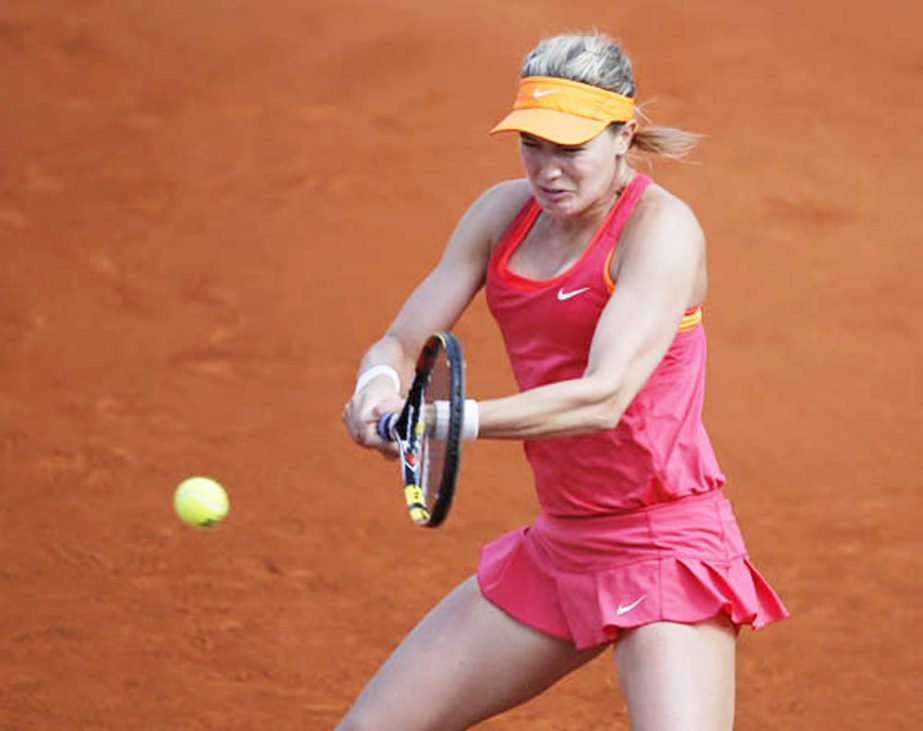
(596,277)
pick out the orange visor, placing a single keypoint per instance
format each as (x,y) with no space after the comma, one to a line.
(563,111)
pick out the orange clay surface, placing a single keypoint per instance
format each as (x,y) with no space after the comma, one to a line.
(208,209)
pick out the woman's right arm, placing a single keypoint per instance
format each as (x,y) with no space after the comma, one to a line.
(436,304)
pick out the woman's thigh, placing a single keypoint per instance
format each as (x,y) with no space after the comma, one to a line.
(466,661)
(678,676)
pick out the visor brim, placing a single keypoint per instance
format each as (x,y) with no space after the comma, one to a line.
(548,124)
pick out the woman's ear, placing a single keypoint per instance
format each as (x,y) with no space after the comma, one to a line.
(624,136)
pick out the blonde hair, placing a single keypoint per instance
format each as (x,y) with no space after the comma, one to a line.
(595,59)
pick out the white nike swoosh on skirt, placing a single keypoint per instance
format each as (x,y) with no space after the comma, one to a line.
(623,609)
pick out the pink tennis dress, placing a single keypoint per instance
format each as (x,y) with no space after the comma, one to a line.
(634,527)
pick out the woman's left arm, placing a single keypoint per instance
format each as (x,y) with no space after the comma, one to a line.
(660,276)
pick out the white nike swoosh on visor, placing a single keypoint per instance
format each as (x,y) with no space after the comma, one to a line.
(562,295)
(539,93)
(628,607)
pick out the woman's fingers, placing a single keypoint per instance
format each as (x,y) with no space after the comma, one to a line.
(362,413)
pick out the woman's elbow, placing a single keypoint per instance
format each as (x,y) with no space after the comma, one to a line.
(606,418)
(605,411)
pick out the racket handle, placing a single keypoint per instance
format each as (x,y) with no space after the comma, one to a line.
(385,427)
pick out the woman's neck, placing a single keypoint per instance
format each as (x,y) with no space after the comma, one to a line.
(594,214)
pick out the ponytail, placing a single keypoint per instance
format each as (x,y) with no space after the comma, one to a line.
(673,144)
(667,142)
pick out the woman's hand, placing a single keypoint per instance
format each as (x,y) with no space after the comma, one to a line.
(365,408)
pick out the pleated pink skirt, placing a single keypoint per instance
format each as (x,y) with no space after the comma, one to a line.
(584,579)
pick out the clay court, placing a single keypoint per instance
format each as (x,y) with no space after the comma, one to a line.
(209,209)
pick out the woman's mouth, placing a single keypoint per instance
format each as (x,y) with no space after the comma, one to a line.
(554,193)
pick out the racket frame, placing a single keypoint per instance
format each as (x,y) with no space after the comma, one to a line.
(408,430)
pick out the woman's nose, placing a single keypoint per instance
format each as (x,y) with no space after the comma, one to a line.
(549,169)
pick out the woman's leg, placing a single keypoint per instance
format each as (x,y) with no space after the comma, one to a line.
(466,661)
(678,677)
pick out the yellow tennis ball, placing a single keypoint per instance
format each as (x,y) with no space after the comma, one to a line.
(200,501)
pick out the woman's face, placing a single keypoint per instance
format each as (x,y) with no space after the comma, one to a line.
(570,180)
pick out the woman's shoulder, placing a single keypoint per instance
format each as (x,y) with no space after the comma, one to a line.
(658,201)
(505,199)
(497,206)
(659,209)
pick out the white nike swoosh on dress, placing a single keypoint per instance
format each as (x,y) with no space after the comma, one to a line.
(539,93)
(628,607)
(562,295)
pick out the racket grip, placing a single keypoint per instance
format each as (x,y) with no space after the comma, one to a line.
(385,427)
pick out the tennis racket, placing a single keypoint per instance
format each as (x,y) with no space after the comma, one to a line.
(430,453)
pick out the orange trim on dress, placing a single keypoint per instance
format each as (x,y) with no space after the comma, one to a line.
(518,236)
(691,317)
(607,269)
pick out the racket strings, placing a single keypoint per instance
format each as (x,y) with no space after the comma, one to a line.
(434,450)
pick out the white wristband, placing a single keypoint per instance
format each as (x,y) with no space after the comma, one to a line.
(472,418)
(441,422)
(372,373)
